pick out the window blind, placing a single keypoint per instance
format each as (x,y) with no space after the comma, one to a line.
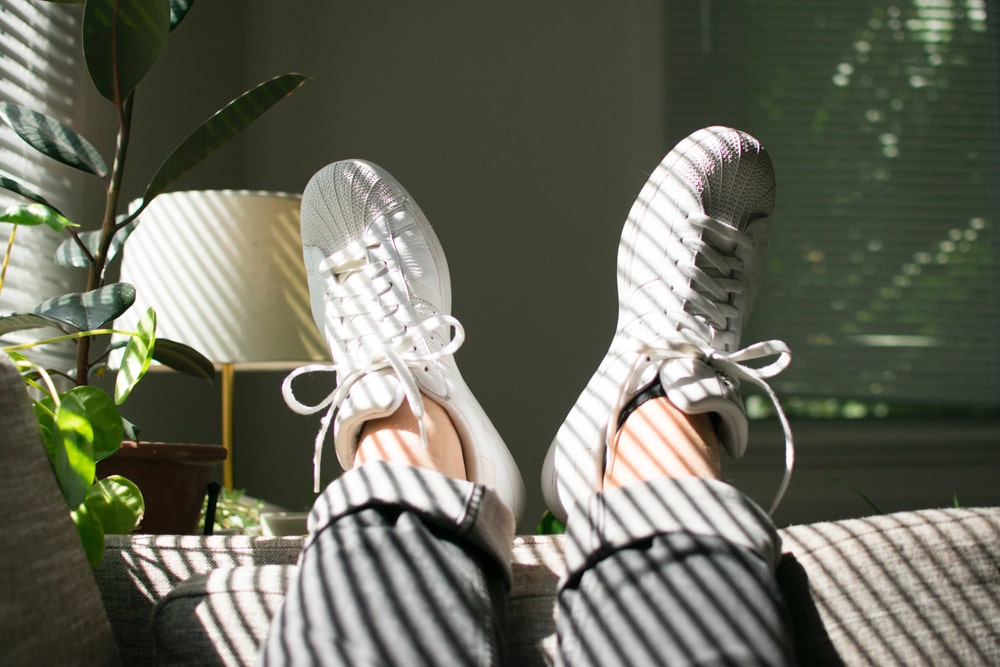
(39,66)
(883,122)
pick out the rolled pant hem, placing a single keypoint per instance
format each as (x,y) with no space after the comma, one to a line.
(617,518)
(464,509)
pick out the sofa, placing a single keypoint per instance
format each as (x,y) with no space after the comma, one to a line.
(913,588)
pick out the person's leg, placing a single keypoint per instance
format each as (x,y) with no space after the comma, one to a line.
(406,563)
(407,559)
(665,563)
(669,566)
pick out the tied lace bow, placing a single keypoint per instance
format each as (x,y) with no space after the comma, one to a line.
(364,296)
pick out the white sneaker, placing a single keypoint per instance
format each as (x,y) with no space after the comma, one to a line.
(690,263)
(381,293)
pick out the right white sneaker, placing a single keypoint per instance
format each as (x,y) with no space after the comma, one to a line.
(690,263)
(381,294)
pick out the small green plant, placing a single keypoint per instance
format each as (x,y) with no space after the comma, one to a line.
(549,525)
(122,40)
(83,426)
(861,494)
(235,512)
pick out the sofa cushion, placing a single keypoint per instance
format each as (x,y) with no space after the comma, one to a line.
(139,570)
(222,617)
(908,588)
(912,588)
(219,618)
(50,607)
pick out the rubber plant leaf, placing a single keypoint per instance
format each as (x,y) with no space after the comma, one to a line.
(22,321)
(89,310)
(137,357)
(53,138)
(178,10)
(105,419)
(226,123)
(36,214)
(183,359)
(69,252)
(15,187)
(122,40)
(117,503)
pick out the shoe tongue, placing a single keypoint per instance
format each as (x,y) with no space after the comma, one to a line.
(694,387)
(373,396)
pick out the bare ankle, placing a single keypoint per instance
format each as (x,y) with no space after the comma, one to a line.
(396,438)
(658,440)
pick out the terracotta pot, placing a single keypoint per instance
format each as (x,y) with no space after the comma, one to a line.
(173,478)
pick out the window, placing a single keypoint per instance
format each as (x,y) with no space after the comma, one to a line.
(883,121)
(39,66)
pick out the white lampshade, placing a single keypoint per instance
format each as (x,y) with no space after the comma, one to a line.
(223,270)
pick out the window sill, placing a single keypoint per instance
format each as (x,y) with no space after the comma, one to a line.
(897,464)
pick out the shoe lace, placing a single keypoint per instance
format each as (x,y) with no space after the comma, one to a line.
(714,280)
(365,298)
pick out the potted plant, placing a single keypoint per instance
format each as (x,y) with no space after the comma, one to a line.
(122,40)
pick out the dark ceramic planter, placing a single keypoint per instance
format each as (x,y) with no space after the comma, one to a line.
(173,478)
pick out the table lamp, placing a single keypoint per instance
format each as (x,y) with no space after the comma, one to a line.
(223,269)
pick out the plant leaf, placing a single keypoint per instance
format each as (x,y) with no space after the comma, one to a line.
(53,138)
(15,187)
(104,417)
(69,253)
(89,310)
(220,128)
(178,10)
(131,430)
(36,214)
(73,441)
(122,40)
(22,321)
(91,533)
(550,525)
(860,494)
(45,413)
(137,357)
(118,503)
(183,359)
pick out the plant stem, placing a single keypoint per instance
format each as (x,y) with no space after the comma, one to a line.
(6,256)
(72,336)
(98,266)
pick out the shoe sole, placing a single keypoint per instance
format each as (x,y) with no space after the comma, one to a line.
(331,219)
(574,464)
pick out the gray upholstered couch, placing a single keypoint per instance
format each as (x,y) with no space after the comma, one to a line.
(910,588)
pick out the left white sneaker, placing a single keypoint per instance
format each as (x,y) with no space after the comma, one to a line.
(690,263)
(381,294)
